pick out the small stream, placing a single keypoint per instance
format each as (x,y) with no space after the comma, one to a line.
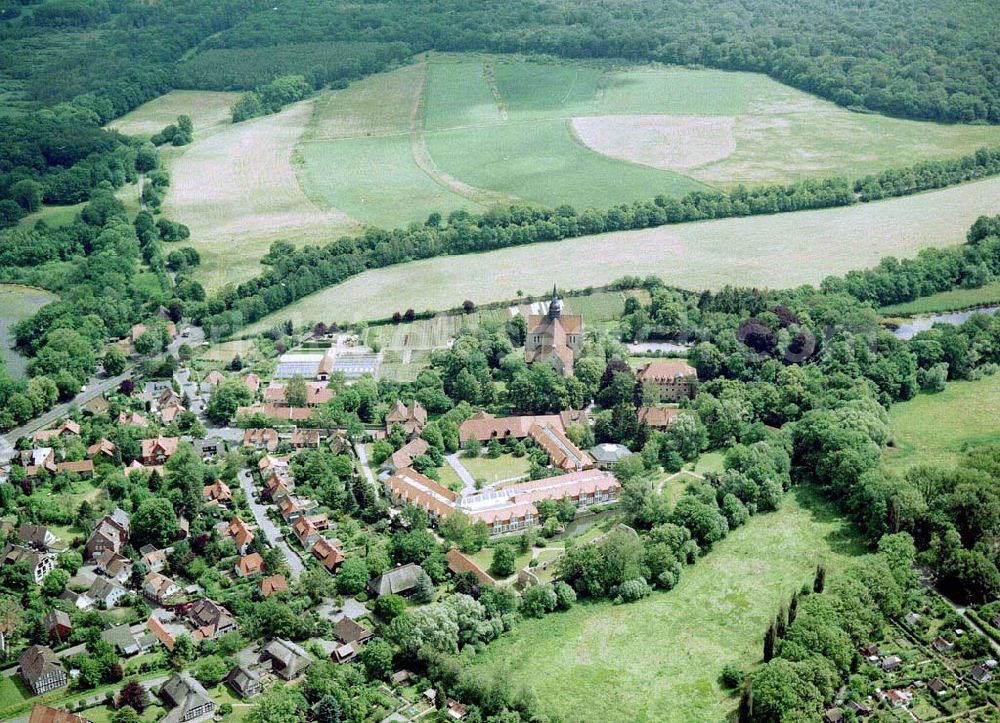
(916,324)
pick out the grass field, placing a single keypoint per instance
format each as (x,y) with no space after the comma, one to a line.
(489,470)
(659,659)
(779,251)
(53,215)
(237,191)
(17,303)
(937,428)
(946,301)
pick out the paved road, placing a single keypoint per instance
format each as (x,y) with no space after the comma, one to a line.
(96,386)
(463,473)
(359,449)
(264,524)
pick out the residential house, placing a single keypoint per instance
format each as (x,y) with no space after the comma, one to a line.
(157,451)
(277,413)
(58,626)
(349,631)
(158,587)
(554,338)
(328,553)
(125,642)
(404,456)
(249,565)
(38,460)
(400,580)
(562,453)
(252,382)
(217,493)
(154,560)
(131,419)
(833,715)
(186,698)
(344,653)
(410,417)
(43,714)
(306,532)
(171,412)
(244,681)
(209,448)
(292,508)
(658,417)
(41,670)
(159,631)
(84,468)
(456,711)
(860,709)
(114,565)
(459,563)
(675,379)
(937,687)
(36,536)
(78,600)
(40,563)
(68,428)
(899,698)
(266,438)
(111,533)
(240,532)
(210,620)
(305,439)
(103,448)
(214,377)
(288,660)
(272,585)
(106,592)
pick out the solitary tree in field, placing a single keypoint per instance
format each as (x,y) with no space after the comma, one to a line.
(820,581)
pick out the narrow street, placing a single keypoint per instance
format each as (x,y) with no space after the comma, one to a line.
(268,528)
(359,449)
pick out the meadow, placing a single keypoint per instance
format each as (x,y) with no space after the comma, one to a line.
(954,300)
(16,303)
(779,251)
(659,658)
(207,110)
(938,428)
(485,129)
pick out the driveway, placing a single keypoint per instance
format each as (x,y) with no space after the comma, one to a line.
(467,479)
(265,525)
(359,449)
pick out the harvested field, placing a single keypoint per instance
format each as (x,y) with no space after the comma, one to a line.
(661,141)
(778,251)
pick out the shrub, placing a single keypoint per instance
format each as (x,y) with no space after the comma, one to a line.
(731,677)
(632,590)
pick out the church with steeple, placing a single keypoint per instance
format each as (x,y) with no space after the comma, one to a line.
(554,337)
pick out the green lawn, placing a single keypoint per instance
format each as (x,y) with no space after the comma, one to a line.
(457,94)
(710,462)
(937,428)
(494,470)
(946,301)
(12,691)
(53,215)
(659,659)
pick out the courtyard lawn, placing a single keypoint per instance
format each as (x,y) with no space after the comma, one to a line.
(947,301)
(938,428)
(491,471)
(660,658)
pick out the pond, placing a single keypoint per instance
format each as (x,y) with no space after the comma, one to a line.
(16,303)
(917,324)
(584,522)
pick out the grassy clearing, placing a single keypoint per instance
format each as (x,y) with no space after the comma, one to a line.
(237,191)
(659,659)
(53,215)
(938,428)
(374,106)
(947,301)
(710,462)
(207,109)
(17,303)
(780,251)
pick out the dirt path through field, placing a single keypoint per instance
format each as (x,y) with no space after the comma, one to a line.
(422,157)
